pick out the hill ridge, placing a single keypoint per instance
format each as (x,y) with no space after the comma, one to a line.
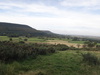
(13,29)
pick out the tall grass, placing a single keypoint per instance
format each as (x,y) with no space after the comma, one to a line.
(90,59)
(60,63)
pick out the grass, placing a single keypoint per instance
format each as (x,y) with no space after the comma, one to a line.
(68,42)
(59,63)
(43,40)
(78,42)
(17,39)
(4,38)
(35,39)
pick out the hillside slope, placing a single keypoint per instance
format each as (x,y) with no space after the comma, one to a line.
(11,29)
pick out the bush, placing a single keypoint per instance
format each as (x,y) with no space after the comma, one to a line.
(6,69)
(21,42)
(90,59)
(61,47)
(10,39)
(10,51)
(40,73)
(25,39)
(73,48)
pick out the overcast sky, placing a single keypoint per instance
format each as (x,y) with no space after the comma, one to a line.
(81,17)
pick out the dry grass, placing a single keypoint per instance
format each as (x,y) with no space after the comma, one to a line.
(39,72)
(63,42)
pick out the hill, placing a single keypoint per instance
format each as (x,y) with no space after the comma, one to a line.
(11,29)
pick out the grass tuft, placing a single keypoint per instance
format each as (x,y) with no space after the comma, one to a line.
(91,59)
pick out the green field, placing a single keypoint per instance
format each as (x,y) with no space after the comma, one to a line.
(60,63)
(78,42)
(4,38)
(68,62)
(17,39)
(68,42)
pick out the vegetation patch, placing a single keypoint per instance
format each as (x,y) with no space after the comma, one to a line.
(91,59)
(10,51)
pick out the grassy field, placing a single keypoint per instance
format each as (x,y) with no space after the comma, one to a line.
(4,38)
(17,39)
(71,41)
(63,42)
(69,62)
(60,63)
(43,40)
(78,42)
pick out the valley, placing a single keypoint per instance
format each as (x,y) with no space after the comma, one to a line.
(40,52)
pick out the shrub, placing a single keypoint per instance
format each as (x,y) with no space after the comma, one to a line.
(6,69)
(51,50)
(21,42)
(10,51)
(25,39)
(40,73)
(90,59)
(3,69)
(10,39)
(61,47)
(73,48)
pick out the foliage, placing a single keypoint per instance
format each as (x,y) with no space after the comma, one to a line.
(90,44)
(59,63)
(73,48)
(78,45)
(21,42)
(40,73)
(10,51)
(61,47)
(10,39)
(90,59)
(25,39)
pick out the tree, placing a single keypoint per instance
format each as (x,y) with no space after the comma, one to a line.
(20,39)
(10,39)
(78,45)
(84,46)
(90,44)
(25,39)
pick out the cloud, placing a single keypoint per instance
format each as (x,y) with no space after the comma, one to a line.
(86,26)
(24,7)
(9,5)
(81,3)
(61,21)
(34,8)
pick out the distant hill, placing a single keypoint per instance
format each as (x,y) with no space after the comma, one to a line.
(46,31)
(11,29)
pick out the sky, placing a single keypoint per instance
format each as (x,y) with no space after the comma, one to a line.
(75,17)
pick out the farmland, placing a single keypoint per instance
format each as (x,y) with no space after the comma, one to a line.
(43,40)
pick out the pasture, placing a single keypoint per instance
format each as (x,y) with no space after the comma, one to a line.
(60,63)
(46,40)
(67,62)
